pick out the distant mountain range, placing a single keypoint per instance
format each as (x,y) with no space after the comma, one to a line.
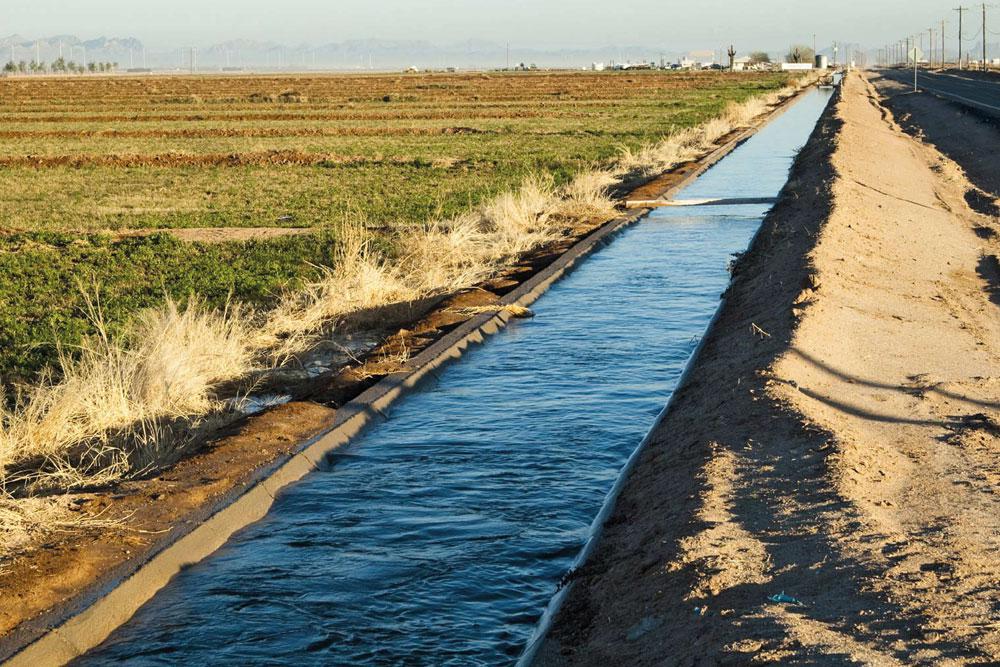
(348,55)
(71,47)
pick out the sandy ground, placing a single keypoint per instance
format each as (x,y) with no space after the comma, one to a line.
(968,136)
(842,452)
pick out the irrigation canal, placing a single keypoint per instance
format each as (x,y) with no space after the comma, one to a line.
(439,536)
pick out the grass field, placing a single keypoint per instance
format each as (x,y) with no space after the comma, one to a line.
(87,163)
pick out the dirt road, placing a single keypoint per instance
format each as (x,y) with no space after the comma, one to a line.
(825,489)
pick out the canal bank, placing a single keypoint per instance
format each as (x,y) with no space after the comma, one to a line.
(823,489)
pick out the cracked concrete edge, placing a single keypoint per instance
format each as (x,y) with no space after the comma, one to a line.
(83,624)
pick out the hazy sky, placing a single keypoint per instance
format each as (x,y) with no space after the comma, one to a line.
(669,24)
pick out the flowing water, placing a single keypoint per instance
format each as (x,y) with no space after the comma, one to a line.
(439,536)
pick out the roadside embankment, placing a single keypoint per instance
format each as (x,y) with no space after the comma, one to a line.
(964,133)
(824,487)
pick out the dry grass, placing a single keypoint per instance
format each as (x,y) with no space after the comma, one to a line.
(119,390)
(688,144)
(24,520)
(512,309)
(108,414)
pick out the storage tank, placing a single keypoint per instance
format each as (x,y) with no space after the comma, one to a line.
(822,62)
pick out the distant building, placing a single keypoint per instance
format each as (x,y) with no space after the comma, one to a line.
(741,64)
(597,67)
(630,66)
(796,67)
(704,57)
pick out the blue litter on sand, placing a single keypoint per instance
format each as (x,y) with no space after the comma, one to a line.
(782,598)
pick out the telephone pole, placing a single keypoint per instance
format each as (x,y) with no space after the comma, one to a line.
(942,44)
(930,44)
(985,66)
(961,12)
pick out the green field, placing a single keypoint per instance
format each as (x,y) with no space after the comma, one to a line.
(87,163)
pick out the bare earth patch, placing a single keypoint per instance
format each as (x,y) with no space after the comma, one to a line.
(222,234)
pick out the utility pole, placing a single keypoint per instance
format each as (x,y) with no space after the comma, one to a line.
(985,67)
(942,45)
(930,43)
(961,11)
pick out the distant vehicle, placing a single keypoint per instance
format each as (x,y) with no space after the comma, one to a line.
(715,66)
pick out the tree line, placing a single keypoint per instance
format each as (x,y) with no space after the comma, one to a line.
(58,66)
